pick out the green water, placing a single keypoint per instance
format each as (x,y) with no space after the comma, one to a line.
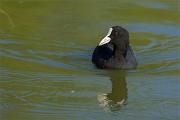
(45,60)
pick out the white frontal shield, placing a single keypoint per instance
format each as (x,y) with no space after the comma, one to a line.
(106,39)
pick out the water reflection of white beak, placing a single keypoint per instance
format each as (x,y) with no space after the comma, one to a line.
(107,103)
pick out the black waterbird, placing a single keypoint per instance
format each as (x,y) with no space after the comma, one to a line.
(114,51)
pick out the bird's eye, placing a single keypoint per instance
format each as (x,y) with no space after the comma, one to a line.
(116,33)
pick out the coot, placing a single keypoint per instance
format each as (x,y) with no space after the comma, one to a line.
(114,51)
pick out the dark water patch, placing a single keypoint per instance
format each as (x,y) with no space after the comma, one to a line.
(4,42)
(156,29)
(41,61)
(154,5)
(79,55)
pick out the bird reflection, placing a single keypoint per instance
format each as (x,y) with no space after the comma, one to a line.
(119,94)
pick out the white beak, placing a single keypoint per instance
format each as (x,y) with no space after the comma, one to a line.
(106,39)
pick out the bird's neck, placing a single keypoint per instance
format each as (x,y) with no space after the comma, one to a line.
(119,53)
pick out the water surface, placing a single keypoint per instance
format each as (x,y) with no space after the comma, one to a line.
(45,60)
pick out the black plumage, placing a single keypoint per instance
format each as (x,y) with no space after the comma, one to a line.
(114,51)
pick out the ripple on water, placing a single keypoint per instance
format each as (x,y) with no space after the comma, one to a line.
(158,54)
(157,29)
(70,60)
(5,42)
(46,70)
